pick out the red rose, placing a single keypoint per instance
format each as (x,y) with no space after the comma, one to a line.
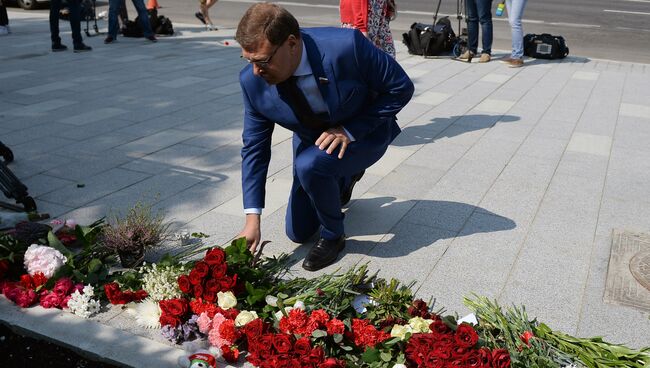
(500,358)
(332,363)
(526,336)
(282,343)
(432,359)
(317,355)
(39,279)
(302,346)
(438,327)
(184,284)
(50,300)
(212,285)
(195,277)
(335,326)
(485,357)
(254,328)
(219,270)
(174,307)
(63,286)
(472,359)
(215,256)
(168,320)
(465,336)
(209,296)
(201,268)
(26,281)
(111,290)
(230,354)
(140,295)
(227,282)
(198,291)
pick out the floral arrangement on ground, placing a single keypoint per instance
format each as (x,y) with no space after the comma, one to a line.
(233,302)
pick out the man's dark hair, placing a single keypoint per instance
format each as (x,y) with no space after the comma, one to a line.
(265,21)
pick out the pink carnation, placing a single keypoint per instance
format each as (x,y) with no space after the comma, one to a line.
(64,302)
(51,300)
(40,258)
(204,322)
(63,286)
(214,337)
(26,298)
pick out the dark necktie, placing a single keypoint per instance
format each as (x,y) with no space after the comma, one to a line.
(300,106)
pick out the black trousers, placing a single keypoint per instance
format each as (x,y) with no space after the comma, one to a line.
(4,19)
(75,21)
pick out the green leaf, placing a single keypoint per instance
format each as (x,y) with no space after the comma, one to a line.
(55,243)
(370,355)
(95,265)
(318,333)
(386,356)
(338,338)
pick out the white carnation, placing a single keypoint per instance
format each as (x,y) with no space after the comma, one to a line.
(82,304)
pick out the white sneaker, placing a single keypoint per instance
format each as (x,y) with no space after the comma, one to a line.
(4,30)
(211,27)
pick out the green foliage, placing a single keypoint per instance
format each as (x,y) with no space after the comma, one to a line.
(390,299)
(11,248)
(332,292)
(503,329)
(594,352)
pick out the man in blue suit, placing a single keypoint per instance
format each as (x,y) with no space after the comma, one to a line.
(339,94)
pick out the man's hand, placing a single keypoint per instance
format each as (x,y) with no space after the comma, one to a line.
(332,138)
(252,231)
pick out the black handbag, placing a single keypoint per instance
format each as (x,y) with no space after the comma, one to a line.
(545,46)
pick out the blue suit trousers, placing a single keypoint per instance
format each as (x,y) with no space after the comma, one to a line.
(318,179)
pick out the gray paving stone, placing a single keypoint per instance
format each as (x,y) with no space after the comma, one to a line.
(41,184)
(92,116)
(44,88)
(591,144)
(82,167)
(156,142)
(94,187)
(408,181)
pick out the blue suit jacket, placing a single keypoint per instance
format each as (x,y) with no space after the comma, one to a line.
(364,89)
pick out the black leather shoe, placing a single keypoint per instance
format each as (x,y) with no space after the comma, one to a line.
(323,253)
(56,47)
(82,48)
(346,195)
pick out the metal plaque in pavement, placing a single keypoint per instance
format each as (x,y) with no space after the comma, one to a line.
(628,274)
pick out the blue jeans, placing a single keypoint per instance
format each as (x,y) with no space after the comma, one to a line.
(479,11)
(114,9)
(75,21)
(515,13)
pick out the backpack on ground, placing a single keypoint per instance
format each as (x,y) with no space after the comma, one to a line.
(165,26)
(545,46)
(430,39)
(132,29)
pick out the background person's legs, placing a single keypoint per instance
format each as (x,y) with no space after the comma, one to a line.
(515,13)
(484,10)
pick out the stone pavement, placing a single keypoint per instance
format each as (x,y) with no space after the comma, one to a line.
(504,182)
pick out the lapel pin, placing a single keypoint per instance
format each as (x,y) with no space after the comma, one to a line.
(323,80)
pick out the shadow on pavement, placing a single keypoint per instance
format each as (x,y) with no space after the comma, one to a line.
(448,128)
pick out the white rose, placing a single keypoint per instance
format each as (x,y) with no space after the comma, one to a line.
(244,317)
(226,300)
(400,331)
(299,304)
(419,324)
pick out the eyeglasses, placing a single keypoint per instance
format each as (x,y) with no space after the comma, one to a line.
(262,64)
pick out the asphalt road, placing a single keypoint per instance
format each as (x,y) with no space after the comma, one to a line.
(613,29)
